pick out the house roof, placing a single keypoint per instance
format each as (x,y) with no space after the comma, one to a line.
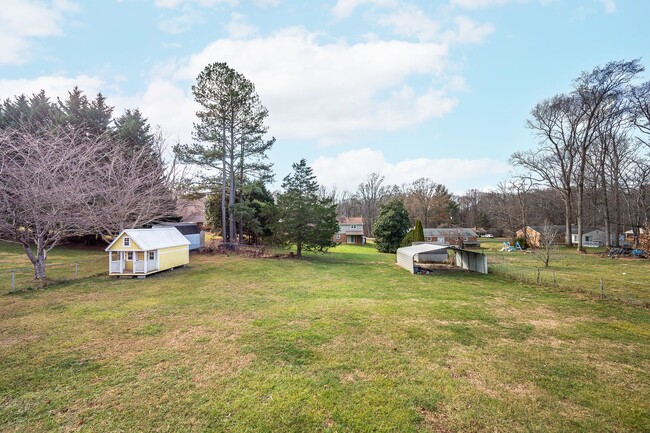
(153,239)
(353,220)
(421,248)
(449,232)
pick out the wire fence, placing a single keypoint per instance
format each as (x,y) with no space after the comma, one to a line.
(624,280)
(22,278)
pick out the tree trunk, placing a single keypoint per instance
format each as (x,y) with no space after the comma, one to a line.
(299,249)
(223,189)
(579,216)
(241,190)
(608,222)
(38,261)
(232,230)
(567,221)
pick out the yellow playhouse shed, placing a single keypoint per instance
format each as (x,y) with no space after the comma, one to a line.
(142,252)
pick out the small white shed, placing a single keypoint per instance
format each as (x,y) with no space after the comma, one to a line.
(141,252)
(422,253)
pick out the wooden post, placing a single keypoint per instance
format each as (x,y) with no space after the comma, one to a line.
(76,269)
(538,276)
(554,283)
(602,288)
(13,280)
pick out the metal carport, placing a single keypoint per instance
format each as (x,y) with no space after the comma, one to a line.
(408,257)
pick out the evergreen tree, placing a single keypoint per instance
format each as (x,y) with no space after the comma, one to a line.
(391,226)
(418,232)
(132,129)
(408,239)
(33,114)
(304,218)
(93,117)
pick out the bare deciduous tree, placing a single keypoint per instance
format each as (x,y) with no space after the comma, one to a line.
(61,182)
(547,248)
(428,201)
(371,194)
(553,163)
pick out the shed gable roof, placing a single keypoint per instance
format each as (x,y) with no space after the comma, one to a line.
(421,248)
(153,239)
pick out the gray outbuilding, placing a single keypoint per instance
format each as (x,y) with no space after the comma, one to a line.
(191,232)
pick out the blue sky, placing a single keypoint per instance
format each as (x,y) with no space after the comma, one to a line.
(409,89)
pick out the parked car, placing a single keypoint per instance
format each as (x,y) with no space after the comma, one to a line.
(489,235)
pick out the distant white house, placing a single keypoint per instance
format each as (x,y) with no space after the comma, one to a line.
(591,237)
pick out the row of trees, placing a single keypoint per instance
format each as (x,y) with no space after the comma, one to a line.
(423,200)
(592,148)
(231,150)
(68,168)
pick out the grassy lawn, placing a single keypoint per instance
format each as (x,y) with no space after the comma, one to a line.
(625,279)
(342,342)
(63,263)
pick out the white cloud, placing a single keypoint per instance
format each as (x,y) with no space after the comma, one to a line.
(24,20)
(468,31)
(335,90)
(348,169)
(173,4)
(180,23)
(610,6)
(54,86)
(410,21)
(478,4)
(345,8)
(188,13)
(163,103)
(266,3)
(239,28)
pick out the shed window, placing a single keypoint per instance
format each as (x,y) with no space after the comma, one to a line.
(127,241)
(129,255)
(152,255)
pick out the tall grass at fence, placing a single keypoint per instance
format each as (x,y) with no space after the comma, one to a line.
(594,273)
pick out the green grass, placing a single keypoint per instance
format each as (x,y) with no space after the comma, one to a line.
(63,263)
(625,279)
(341,342)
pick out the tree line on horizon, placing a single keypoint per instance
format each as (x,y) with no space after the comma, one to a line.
(70,167)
